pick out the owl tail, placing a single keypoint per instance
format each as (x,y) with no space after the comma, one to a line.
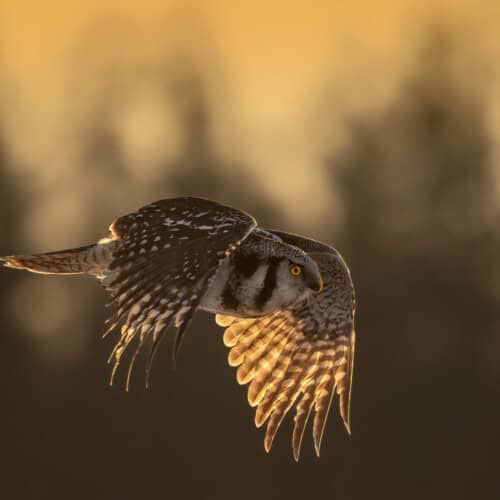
(74,261)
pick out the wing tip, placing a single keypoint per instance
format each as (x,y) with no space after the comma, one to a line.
(317,445)
(268,442)
(223,320)
(347,426)
(259,420)
(296,446)
(254,399)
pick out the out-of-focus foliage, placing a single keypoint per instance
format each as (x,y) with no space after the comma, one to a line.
(420,234)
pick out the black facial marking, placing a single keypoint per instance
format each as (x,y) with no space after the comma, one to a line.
(246,264)
(229,300)
(269,283)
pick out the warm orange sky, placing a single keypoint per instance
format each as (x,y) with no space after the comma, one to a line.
(267,66)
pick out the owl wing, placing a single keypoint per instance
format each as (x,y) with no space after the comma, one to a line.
(299,355)
(165,257)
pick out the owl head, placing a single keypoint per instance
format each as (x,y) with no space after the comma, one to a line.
(296,275)
(264,275)
(285,274)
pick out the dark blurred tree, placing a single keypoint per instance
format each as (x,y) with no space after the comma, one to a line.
(418,190)
(101,147)
(199,171)
(429,157)
(11,204)
(10,201)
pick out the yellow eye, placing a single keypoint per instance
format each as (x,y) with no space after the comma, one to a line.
(295,270)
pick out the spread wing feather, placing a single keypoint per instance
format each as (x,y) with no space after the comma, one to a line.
(165,258)
(298,356)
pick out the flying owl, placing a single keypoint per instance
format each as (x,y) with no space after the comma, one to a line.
(286,302)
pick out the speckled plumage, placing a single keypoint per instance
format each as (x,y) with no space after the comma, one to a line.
(286,302)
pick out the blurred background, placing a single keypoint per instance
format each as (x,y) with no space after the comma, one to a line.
(373,126)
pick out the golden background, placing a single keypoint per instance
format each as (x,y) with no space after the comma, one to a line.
(374,126)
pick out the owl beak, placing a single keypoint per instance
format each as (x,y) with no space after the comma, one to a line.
(316,283)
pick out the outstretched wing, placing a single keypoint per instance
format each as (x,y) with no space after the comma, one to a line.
(305,351)
(165,256)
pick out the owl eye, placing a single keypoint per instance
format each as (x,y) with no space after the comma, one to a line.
(295,270)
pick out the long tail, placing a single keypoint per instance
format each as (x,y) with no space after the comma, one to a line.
(86,259)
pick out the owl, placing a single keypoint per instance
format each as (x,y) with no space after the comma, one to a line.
(286,302)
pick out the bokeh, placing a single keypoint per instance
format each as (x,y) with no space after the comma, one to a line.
(373,126)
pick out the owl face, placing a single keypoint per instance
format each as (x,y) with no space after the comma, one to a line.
(298,276)
(277,283)
(295,278)
(255,281)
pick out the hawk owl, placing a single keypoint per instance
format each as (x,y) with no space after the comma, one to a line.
(286,302)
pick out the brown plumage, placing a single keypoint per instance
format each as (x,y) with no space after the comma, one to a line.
(287,302)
